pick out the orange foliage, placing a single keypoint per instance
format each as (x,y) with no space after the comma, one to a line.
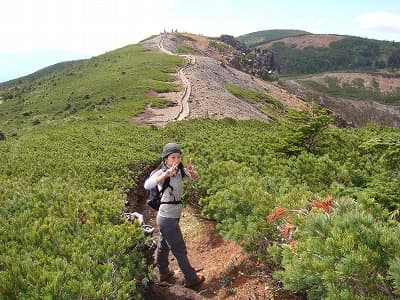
(276,213)
(287,230)
(326,204)
(293,245)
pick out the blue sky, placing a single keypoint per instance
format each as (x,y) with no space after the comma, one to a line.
(35,34)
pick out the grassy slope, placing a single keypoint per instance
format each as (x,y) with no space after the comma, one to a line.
(112,86)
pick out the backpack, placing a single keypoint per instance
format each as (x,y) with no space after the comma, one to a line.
(154,195)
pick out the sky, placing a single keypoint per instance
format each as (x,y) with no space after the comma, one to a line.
(38,33)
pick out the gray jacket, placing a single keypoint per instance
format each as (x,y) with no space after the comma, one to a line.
(169,195)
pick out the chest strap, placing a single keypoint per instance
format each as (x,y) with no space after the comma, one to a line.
(171,202)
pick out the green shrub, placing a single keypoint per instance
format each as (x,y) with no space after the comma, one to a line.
(349,252)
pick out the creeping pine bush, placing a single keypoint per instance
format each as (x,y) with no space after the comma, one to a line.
(349,252)
(64,243)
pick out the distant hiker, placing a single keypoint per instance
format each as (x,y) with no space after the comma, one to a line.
(169,213)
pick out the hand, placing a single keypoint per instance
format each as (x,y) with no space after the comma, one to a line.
(190,166)
(171,171)
(191,169)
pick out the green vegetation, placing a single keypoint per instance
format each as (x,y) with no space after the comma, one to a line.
(254,168)
(348,253)
(349,53)
(263,102)
(222,47)
(64,180)
(68,157)
(186,49)
(184,37)
(258,38)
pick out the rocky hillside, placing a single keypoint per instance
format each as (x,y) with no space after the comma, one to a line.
(356,98)
(209,76)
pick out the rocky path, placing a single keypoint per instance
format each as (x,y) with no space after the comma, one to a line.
(183,101)
(180,108)
(184,110)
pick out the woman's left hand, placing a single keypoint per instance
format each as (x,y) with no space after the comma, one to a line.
(191,169)
(189,166)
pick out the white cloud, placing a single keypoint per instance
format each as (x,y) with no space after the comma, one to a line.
(384,21)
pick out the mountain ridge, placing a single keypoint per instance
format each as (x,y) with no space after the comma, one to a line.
(204,100)
(265,36)
(357,112)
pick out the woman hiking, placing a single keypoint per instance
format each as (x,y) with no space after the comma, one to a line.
(169,213)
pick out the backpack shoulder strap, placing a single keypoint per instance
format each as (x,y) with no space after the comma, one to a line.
(166,185)
(182,168)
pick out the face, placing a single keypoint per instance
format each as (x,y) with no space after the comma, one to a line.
(173,159)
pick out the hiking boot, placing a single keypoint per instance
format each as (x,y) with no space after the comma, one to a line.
(194,282)
(167,275)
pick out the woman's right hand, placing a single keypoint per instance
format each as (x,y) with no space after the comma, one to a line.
(171,171)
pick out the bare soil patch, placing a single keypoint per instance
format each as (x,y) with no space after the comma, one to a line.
(386,84)
(357,112)
(311,40)
(160,116)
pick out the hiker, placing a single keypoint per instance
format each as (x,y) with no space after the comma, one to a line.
(169,213)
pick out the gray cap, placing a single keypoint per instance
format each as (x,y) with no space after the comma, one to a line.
(169,149)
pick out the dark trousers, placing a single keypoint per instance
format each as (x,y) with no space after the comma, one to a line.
(171,239)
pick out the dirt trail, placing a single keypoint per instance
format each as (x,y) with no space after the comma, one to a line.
(184,110)
(230,272)
(183,100)
(179,108)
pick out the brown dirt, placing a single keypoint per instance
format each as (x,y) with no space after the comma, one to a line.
(230,272)
(359,112)
(314,40)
